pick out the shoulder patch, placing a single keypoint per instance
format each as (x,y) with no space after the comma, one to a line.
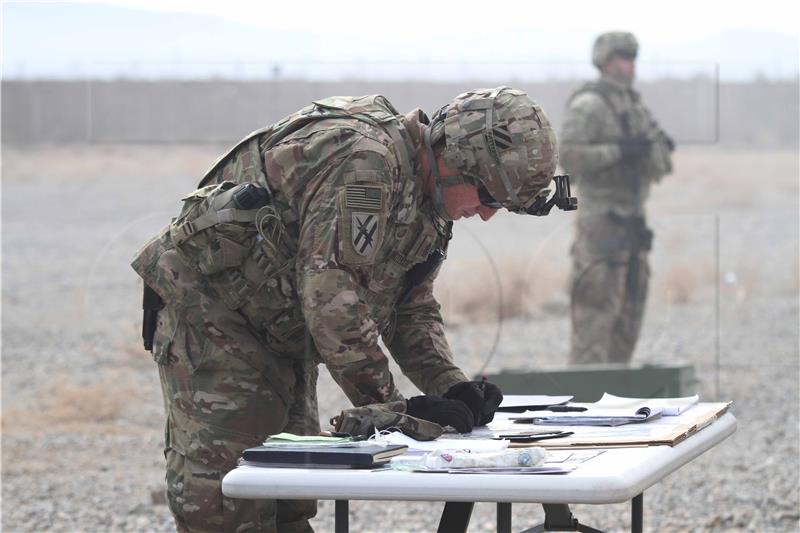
(364,197)
(364,227)
(362,222)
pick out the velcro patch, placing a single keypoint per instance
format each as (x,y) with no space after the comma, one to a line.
(364,232)
(364,197)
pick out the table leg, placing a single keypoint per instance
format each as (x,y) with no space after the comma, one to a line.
(455,517)
(503,517)
(637,513)
(558,517)
(342,520)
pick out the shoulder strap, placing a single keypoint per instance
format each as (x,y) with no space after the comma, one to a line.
(252,136)
(376,111)
(601,90)
(215,214)
(397,132)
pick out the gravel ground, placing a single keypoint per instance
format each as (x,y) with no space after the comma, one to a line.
(82,412)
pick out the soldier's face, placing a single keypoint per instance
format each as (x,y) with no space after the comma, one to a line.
(461,201)
(621,68)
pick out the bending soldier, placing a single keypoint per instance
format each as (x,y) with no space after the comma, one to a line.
(304,244)
(613,148)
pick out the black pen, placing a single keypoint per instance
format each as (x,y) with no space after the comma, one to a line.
(565,409)
(532,437)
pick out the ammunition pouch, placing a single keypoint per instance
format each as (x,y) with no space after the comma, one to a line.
(213,233)
(643,240)
(661,156)
(235,236)
(638,236)
(612,234)
(151,305)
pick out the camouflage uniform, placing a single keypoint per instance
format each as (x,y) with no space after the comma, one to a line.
(243,288)
(610,271)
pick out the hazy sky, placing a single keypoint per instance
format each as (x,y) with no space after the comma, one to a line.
(663,22)
(407,38)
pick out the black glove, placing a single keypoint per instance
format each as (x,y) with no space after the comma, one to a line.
(441,411)
(482,398)
(634,148)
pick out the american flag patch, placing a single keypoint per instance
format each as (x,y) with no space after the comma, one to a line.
(364,197)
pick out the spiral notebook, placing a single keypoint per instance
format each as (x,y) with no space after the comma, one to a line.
(599,417)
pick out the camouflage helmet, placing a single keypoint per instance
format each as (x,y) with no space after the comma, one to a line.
(613,42)
(501,139)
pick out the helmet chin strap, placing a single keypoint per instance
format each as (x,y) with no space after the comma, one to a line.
(438,199)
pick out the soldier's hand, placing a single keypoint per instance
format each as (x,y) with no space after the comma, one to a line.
(482,397)
(442,411)
(634,148)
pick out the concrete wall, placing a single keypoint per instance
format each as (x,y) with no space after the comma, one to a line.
(760,114)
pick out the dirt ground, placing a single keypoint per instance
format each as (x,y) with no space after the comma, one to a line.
(82,415)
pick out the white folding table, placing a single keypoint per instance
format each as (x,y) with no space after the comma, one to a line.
(615,476)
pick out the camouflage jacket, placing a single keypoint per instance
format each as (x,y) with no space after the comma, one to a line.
(330,254)
(598,116)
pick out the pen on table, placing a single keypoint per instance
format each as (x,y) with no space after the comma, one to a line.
(565,409)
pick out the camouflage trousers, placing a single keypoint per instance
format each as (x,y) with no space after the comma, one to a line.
(610,276)
(224,391)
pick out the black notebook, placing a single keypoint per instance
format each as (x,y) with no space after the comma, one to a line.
(324,456)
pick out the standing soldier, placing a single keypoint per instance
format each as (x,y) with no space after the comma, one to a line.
(614,150)
(304,244)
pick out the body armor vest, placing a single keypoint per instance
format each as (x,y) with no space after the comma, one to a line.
(246,253)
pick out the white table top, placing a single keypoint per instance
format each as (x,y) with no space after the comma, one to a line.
(615,476)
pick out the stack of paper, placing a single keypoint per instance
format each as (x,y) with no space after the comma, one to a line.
(518,403)
(290,439)
(666,430)
(599,417)
(612,410)
(416,446)
(668,406)
(316,451)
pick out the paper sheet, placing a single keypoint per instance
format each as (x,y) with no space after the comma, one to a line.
(294,440)
(475,445)
(667,430)
(522,401)
(668,406)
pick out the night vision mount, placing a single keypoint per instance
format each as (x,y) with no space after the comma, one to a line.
(561,199)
